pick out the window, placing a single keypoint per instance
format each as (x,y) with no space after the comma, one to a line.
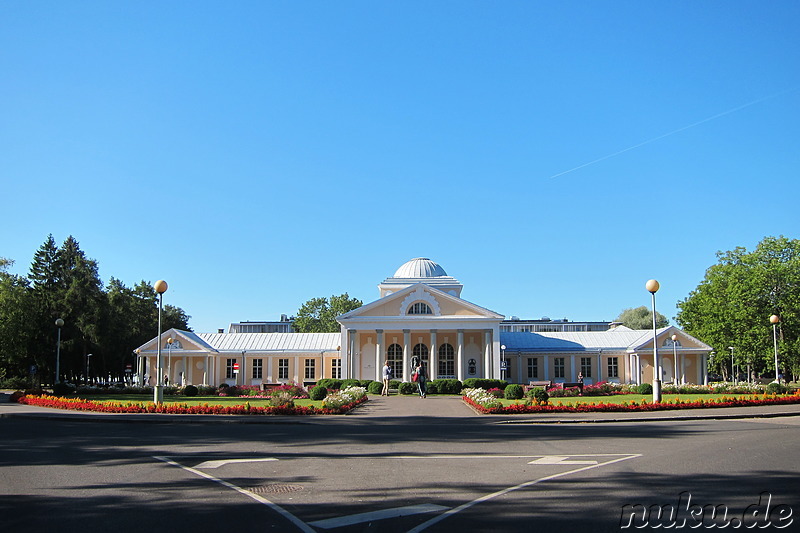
(283,369)
(613,367)
(310,369)
(337,369)
(558,367)
(229,368)
(419,308)
(586,367)
(395,357)
(447,361)
(258,368)
(533,367)
(421,351)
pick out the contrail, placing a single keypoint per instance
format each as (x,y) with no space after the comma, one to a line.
(654,139)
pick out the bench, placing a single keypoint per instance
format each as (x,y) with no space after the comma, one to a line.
(534,384)
(577,384)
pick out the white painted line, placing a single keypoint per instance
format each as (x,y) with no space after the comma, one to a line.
(372,516)
(277,508)
(467,505)
(481,456)
(559,460)
(223,462)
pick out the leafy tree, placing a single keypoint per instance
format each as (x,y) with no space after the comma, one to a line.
(318,315)
(17,327)
(63,283)
(733,303)
(641,318)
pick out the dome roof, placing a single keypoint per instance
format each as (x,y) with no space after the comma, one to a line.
(420,267)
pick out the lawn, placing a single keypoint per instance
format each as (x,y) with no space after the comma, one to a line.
(638,398)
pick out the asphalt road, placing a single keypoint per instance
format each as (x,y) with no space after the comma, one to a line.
(435,474)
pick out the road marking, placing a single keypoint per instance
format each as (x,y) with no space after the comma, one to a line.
(372,516)
(559,460)
(467,505)
(260,499)
(223,462)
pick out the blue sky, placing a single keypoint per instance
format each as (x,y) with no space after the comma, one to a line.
(258,154)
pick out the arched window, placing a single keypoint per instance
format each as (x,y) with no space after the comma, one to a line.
(447,361)
(419,308)
(395,357)
(421,351)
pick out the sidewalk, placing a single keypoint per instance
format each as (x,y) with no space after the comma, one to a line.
(398,406)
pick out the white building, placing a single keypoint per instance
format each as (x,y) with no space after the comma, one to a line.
(420,313)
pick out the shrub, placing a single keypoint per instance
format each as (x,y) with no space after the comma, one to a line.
(318,393)
(447,386)
(485,384)
(14,382)
(64,389)
(433,387)
(365,383)
(514,391)
(538,395)
(644,388)
(375,387)
(347,383)
(282,399)
(15,396)
(203,390)
(776,388)
(190,390)
(497,393)
(328,383)
(407,387)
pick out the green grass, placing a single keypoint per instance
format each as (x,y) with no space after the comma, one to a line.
(638,398)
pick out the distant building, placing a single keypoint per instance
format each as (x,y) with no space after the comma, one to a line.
(420,316)
(284,325)
(515,324)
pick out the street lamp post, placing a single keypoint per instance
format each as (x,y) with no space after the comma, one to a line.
(503,372)
(774,319)
(733,372)
(59,325)
(88,356)
(158,391)
(652,287)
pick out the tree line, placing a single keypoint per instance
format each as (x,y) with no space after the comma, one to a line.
(732,306)
(108,322)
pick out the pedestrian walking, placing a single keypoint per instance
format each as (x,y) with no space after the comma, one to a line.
(387,377)
(422,380)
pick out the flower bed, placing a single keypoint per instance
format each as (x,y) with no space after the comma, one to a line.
(487,404)
(353,398)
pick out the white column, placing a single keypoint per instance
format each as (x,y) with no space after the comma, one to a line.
(599,367)
(519,368)
(379,357)
(433,371)
(406,347)
(269,370)
(572,368)
(347,370)
(460,355)
(702,371)
(488,370)
(546,376)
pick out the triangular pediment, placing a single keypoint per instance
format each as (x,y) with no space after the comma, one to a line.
(399,305)
(182,342)
(664,341)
